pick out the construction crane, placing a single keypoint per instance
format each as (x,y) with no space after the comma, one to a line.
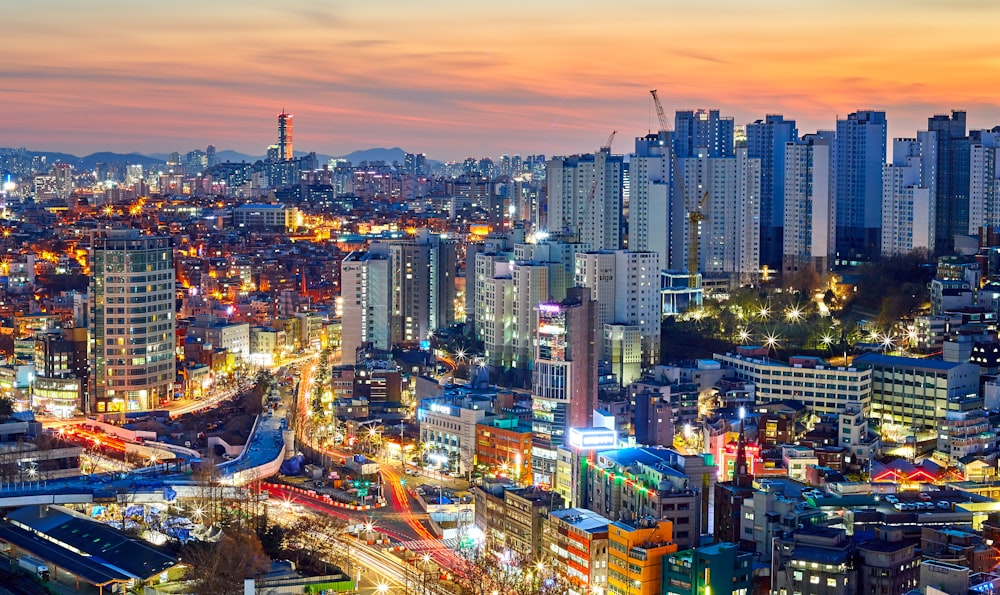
(611,138)
(695,217)
(660,115)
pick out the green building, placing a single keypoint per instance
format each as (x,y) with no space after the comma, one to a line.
(718,569)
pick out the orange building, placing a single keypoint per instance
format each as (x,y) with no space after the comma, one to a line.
(635,554)
(503,448)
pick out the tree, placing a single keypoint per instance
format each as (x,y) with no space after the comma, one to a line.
(220,568)
(483,571)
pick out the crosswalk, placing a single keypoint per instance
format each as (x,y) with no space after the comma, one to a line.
(423,545)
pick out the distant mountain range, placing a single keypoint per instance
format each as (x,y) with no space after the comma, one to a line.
(158,159)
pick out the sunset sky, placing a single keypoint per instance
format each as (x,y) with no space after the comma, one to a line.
(457,79)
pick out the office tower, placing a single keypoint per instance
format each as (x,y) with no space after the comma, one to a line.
(858,157)
(728,237)
(211,160)
(132,346)
(703,132)
(564,380)
(585,198)
(650,220)
(984,180)
(423,285)
(285,136)
(366,290)
(951,185)
(808,221)
(907,202)
(626,286)
(766,140)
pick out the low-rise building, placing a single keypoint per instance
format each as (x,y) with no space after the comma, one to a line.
(822,388)
(719,569)
(964,433)
(635,556)
(815,560)
(503,447)
(576,539)
(448,426)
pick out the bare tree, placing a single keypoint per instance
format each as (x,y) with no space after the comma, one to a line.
(220,568)
(483,571)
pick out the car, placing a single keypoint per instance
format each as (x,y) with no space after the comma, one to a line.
(899,506)
(924,496)
(943,505)
(891,499)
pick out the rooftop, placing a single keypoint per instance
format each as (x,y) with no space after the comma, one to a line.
(582,519)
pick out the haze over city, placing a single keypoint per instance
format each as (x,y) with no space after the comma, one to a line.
(455,79)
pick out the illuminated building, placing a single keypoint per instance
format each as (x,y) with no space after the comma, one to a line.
(277,217)
(816,560)
(717,569)
(577,541)
(564,386)
(503,447)
(703,131)
(912,395)
(635,555)
(132,322)
(285,136)
(574,462)
(984,182)
(822,388)
(658,482)
(448,426)
(858,156)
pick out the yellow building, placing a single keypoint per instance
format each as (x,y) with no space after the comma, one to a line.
(635,553)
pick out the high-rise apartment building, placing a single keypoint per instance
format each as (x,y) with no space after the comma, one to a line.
(132,322)
(728,238)
(285,136)
(907,201)
(766,140)
(951,180)
(415,164)
(651,219)
(858,157)
(423,285)
(984,179)
(808,221)
(366,291)
(703,132)
(626,286)
(585,198)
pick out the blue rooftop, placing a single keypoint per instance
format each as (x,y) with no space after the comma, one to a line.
(878,359)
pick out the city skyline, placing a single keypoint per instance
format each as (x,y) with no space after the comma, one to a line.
(454,80)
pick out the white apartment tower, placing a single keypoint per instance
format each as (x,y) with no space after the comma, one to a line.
(585,198)
(650,219)
(626,286)
(809,220)
(729,235)
(908,196)
(366,289)
(984,180)
(132,323)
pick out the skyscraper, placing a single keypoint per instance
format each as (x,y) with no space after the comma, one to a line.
(951,185)
(858,157)
(766,140)
(285,136)
(132,321)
